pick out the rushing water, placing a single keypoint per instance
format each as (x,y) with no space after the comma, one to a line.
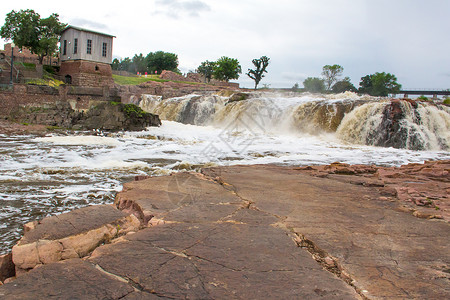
(41,176)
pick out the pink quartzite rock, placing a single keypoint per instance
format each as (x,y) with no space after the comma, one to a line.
(70,235)
(262,232)
(422,187)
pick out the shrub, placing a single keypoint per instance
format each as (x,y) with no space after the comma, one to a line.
(132,110)
(423,98)
(51,69)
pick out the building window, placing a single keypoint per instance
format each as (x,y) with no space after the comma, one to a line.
(65,47)
(104,49)
(89,47)
(75,46)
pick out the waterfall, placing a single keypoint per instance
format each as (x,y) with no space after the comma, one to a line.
(398,124)
(352,118)
(191,109)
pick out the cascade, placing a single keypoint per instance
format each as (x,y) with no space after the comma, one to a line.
(399,124)
(352,118)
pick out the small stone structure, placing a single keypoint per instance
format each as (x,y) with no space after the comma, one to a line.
(86,57)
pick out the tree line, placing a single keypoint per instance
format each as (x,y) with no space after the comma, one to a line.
(378,84)
(223,69)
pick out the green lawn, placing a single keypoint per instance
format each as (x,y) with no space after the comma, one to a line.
(135,80)
(28,66)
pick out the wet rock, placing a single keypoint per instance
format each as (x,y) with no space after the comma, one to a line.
(391,132)
(238,97)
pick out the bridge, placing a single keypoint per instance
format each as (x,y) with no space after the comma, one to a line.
(421,92)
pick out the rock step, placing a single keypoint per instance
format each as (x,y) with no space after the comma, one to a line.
(70,235)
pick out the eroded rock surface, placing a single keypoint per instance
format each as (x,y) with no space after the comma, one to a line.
(423,188)
(259,232)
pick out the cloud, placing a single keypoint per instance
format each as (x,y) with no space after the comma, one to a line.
(88,24)
(173,8)
(291,76)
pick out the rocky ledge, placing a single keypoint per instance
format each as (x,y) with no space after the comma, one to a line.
(104,115)
(332,232)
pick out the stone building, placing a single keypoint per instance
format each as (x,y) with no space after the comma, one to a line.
(86,57)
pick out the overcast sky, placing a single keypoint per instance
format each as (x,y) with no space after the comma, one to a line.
(409,38)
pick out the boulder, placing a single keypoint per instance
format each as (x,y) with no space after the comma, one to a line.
(113,116)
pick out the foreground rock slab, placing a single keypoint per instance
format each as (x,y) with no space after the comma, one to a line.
(256,232)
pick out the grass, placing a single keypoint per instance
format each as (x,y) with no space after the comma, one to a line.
(135,80)
(47,80)
(27,66)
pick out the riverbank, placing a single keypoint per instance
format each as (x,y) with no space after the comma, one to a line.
(262,231)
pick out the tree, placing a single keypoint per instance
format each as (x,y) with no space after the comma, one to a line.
(115,65)
(343,86)
(227,68)
(379,84)
(330,74)
(160,60)
(126,65)
(314,85)
(261,65)
(206,69)
(26,29)
(50,31)
(139,63)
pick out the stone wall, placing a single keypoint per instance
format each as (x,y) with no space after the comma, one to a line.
(80,98)
(25,55)
(86,73)
(18,54)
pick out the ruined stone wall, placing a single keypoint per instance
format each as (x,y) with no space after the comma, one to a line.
(24,53)
(10,102)
(79,98)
